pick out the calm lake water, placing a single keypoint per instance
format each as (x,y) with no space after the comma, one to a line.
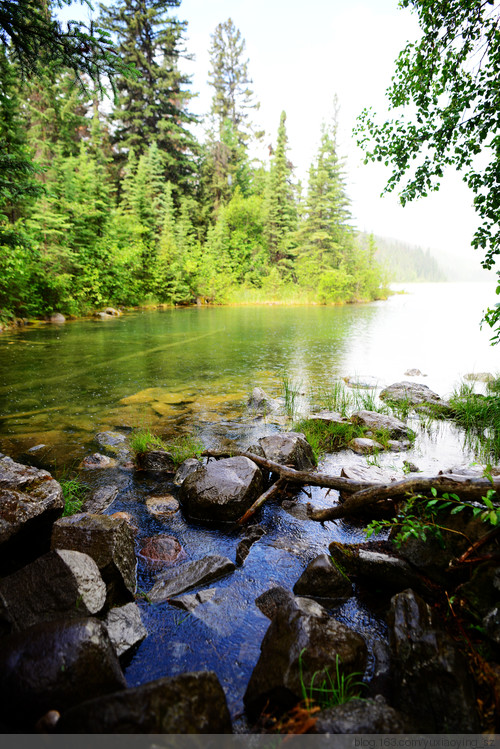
(192,370)
(179,369)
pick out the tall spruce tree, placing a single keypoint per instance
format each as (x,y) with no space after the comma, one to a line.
(281,208)
(326,239)
(153,105)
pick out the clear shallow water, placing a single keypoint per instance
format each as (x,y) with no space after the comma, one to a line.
(192,369)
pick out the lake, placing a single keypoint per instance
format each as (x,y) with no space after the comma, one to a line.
(185,369)
(192,370)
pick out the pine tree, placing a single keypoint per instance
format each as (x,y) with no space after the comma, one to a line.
(281,208)
(152,107)
(325,237)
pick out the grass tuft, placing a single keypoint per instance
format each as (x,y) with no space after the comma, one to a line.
(325,691)
(74,492)
(180,448)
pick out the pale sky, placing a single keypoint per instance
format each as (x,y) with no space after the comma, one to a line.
(303,54)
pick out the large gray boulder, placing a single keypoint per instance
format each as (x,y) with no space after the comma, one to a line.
(30,501)
(223,490)
(431,676)
(185,704)
(125,628)
(297,646)
(54,666)
(374,420)
(109,541)
(290,449)
(189,575)
(411,393)
(323,579)
(60,584)
(360,716)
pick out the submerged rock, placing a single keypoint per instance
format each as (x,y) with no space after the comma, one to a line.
(185,704)
(223,490)
(110,439)
(161,551)
(322,579)
(96,460)
(252,534)
(262,402)
(109,542)
(191,601)
(54,666)
(366,382)
(297,646)
(431,676)
(125,628)
(62,583)
(100,499)
(290,449)
(189,575)
(164,506)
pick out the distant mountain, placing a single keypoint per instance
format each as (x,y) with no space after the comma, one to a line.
(404,261)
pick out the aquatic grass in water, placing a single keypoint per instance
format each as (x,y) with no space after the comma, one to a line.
(326,691)
(290,394)
(74,493)
(479,416)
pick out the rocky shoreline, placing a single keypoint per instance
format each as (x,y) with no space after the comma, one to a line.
(69,618)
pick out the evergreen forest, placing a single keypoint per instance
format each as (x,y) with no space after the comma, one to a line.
(107,197)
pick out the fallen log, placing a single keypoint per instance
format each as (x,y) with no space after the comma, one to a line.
(363,494)
(274,489)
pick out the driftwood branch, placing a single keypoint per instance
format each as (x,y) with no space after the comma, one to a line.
(363,494)
(274,489)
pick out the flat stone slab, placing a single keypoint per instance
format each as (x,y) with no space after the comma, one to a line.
(100,499)
(370,473)
(190,575)
(329,417)
(164,506)
(375,420)
(415,394)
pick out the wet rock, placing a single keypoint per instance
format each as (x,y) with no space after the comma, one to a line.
(127,517)
(318,641)
(189,575)
(376,567)
(481,593)
(322,579)
(430,557)
(125,628)
(109,542)
(185,704)
(156,460)
(54,666)
(100,499)
(30,501)
(263,403)
(374,474)
(96,460)
(374,420)
(112,311)
(57,318)
(412,393)
(290,448)
(164,506)
(365,382)
(491,624)
(381,676)
(360,716)
(398,446)
(110,439)
(273,599)
(329,417)
(365,445)
(223,490)
(430,674)
(189,466)
(161,551)
(191,601)
(61,583)
(252,534)
(414,373)
(295,509)
(103,316)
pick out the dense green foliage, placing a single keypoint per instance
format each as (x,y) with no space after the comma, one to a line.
(125,207)
(447,85)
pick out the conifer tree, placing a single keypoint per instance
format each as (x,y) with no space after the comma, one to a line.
(152,107)
(281,209)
